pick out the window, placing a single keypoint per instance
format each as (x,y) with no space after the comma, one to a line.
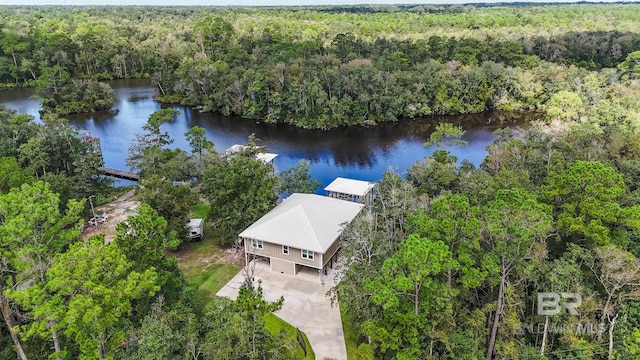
(307,254)
(256,244)
(285,249)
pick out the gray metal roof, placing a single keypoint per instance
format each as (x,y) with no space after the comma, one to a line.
(304,221)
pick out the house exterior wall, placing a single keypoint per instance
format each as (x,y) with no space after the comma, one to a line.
(296,255)
(268,250)
(271,250)
(332,250)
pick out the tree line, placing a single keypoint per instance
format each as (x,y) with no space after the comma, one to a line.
(288,66)
(50,151)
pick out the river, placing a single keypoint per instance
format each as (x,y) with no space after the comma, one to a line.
(358,152)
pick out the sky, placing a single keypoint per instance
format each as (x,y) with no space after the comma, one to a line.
(251,2)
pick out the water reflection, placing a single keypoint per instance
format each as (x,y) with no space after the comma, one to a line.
(363,153)
(99,117)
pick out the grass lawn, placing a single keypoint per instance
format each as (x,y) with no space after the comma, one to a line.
(351,335)
(274,324)
(205,265)
(208,267)
(209,280)
(207,270)
(200,211)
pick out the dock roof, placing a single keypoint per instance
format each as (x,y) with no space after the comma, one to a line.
(350,186)
(265,157)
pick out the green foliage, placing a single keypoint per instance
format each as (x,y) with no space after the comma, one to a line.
(351,334)
(221,333)
(53,152)
(565,106)
(40,217)
(406,292)
(236,329)
(482,247)
(197,140)
(61,96)
(584,196)
(200,211)
(143,239)
(240,189)
(632,342)
(617,274)
(147,153)
(12,175)
(297,179)
(438,172)
(251,306)
(445,135)
(288,337)
(91,288)
(173,203)
(155,121)
(166,332)
(369,240)
(34,230)
(630,67)
(514,221)
(15,130)
(214,35)
(515,227)
(454,222)
(435,175)
(476,185)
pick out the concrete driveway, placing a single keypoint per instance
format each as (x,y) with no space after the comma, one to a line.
(305,307)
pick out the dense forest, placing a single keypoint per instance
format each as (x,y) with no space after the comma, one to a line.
(451,261)
(448,262)
(324,67)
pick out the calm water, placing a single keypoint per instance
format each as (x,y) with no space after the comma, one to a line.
(360,153)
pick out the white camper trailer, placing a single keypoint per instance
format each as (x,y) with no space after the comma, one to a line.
(195,229)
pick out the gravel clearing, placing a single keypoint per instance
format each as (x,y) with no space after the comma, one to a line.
(117,211)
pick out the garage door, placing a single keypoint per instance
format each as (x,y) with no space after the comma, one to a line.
(282,266)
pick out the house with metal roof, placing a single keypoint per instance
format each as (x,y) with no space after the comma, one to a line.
(351,190)
(302,232)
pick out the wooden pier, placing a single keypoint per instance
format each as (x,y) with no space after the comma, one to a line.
(120,174)
(85,136)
